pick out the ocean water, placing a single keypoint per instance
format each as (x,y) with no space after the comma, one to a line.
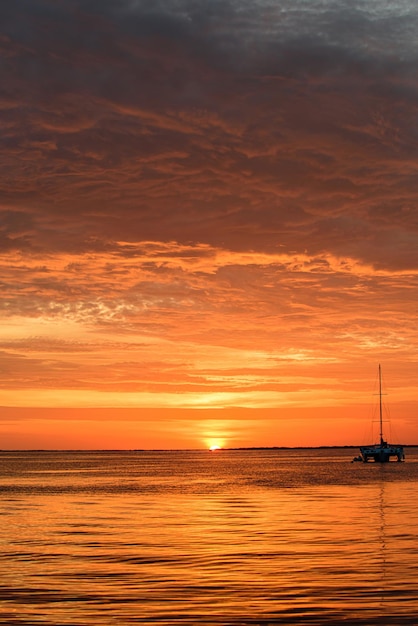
(231,537)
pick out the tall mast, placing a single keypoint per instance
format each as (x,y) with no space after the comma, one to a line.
(380,406)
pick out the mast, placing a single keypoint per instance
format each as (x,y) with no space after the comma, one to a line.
(380,406)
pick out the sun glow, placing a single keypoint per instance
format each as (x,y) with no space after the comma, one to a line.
(215,444)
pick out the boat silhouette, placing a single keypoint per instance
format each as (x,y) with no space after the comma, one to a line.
(383,451)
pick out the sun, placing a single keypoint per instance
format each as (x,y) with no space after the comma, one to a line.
(215,443)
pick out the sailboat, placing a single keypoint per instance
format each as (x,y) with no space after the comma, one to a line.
(383,451)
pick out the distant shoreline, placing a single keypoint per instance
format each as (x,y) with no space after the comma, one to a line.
(348,447)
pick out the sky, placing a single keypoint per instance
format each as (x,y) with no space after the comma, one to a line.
(208,222)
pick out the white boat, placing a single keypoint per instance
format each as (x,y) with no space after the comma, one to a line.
(383,451)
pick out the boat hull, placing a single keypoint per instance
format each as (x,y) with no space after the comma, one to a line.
(381,454)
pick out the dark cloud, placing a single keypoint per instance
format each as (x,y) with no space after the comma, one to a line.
(234,123)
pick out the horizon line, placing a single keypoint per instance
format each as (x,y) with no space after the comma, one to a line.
(222,449)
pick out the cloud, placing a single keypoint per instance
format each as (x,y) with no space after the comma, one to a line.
(198,193)
(275,110)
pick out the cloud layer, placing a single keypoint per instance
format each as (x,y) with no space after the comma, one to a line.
(199,200)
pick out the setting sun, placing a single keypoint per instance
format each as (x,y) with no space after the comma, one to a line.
(215,444)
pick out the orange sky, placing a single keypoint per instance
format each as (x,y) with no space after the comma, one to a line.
(208,222)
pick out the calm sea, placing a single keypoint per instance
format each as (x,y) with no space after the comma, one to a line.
(230,537)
